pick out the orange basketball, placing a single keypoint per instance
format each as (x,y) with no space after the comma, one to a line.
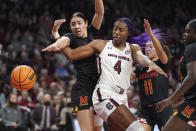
(23,78)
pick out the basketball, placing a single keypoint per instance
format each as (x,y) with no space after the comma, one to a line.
(23,78)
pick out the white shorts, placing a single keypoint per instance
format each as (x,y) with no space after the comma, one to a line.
(106,101)
(97,121)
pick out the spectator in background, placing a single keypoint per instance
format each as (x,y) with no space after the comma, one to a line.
(58,105)
(44,116)
(26,101)
(11,114)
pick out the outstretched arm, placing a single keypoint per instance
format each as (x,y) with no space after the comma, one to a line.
(187,83)
(157,45)
(58,45)
(80,52)
(144,60)
(99,13)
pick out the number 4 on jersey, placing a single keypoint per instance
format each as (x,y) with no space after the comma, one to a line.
(117,66)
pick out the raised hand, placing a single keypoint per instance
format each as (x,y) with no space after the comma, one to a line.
(56,27)
(156,68)
(147,27)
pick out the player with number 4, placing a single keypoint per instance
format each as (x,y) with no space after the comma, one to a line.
(115,59)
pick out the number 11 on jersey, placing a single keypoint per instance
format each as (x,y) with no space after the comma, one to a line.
(148,87)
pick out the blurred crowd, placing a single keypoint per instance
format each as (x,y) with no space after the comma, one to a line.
(25,29)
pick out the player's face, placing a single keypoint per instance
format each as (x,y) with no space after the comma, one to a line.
(120,32)
(150,51)
(78,26)
(188,36)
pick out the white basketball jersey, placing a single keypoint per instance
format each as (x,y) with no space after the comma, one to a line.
(115,66)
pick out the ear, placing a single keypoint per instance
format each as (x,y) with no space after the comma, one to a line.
(128,34)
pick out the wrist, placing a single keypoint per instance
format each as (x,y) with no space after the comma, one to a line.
(151,63)
(56,35)
(60,44)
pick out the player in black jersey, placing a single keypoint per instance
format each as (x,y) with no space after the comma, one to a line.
(86,70)
(153,87)
(185,117)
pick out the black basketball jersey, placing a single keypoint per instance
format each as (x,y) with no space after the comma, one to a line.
(86,69)
(153,86)
(189,56)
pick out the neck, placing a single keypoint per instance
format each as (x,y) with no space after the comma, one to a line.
(119,45)
(85,34)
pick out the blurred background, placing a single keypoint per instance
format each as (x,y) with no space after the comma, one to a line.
(25,29)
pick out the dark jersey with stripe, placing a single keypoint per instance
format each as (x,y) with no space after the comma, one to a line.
(153,86)
(86,69)
(189,56)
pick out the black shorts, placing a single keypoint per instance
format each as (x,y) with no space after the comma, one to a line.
(81,96)
(149,115)
(187,112)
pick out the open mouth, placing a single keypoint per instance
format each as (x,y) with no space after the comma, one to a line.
(147,54)
(78,33)
(116,38)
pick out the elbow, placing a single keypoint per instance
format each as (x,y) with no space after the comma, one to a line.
(165,61)
(71,57)
(101,13)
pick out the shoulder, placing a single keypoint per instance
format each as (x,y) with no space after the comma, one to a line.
(190,53)
(91,28)
(191,47)
(69,35)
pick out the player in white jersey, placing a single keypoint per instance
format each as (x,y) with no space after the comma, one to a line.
(115,56)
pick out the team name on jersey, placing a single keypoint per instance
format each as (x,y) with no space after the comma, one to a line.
(148,75)
(119,57)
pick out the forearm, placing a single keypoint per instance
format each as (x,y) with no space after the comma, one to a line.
(78,53)
(159,49)
(56,35)
(99,8)
(143,60)
(187,83)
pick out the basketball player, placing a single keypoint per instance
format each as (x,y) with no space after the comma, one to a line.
(185,117)
(153,87)
(87,74)
(115,68)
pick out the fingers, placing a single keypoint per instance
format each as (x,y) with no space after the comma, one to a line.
(158,107)
(45,49)
(59,22)
(149,70)
(51,48)
(158,69)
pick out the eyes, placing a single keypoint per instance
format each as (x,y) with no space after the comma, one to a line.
(75,23)
(148,47)
(120,29)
